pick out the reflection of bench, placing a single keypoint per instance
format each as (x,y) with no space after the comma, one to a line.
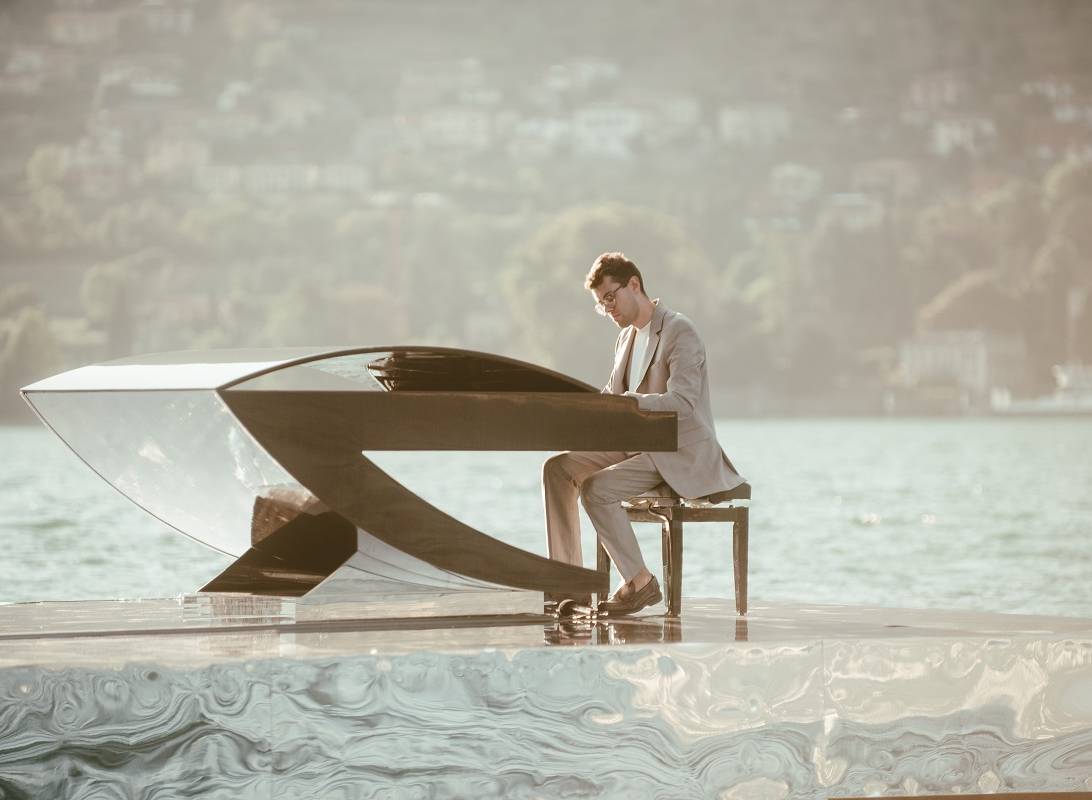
(663,505)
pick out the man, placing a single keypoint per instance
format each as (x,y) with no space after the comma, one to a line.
(659,359)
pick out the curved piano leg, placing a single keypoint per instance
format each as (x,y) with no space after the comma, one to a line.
(286,561)
(322,457)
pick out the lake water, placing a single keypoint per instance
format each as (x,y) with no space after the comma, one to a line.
(990,514)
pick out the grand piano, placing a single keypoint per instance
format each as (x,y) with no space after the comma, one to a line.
(262,455)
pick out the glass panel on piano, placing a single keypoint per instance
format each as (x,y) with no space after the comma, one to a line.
(184,458)
(181,455)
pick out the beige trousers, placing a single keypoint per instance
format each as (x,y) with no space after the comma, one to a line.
(602,481)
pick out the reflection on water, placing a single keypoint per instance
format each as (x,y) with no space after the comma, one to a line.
(970,513)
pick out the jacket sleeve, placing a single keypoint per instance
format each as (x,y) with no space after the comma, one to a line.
(685,356)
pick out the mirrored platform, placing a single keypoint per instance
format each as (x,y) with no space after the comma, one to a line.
(229,696)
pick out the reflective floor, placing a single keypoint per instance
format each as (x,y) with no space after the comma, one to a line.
(221,696)
(206,628)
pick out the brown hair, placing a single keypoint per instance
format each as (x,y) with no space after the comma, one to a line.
(613,265)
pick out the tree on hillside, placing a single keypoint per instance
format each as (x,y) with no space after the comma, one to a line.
(1067,182)
(55,223)
(1057,316)
(977,300)
(857,284)
(552,312)
(950,239)
(28,352)
(109,294)
(1014,228)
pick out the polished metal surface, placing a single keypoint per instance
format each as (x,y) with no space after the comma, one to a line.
(267,697)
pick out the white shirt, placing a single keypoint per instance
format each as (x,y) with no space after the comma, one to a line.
(640,347)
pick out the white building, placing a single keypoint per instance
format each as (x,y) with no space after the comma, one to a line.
(855,212)
(457,128)
(1052,88)
(934,94)
(83,27)
(671,118)
(889,177)
(168,16)
(579,74)
(425,84)
(754,125)
(974,360)
(794,184)
(174,156)
(971,134)
(606,131)
(538,137)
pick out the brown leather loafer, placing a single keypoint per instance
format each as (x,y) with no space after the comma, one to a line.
(646,596)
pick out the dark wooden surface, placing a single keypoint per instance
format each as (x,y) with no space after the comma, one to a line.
(671,516)
(286,561)
(318,438)
(374,420)
(687,514)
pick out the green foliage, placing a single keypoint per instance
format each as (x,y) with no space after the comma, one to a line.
(1067,182)
(111,293)
(305,313)
(28,352)
(16,297)
(552,313)
(976,300)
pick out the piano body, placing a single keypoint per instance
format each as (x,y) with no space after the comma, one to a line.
(261,454)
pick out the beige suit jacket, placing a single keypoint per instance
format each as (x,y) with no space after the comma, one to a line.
(673,377)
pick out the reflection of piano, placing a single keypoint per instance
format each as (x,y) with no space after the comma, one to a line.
(306,418)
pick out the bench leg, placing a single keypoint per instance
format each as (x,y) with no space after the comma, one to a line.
(602,566)
(739,559)
(672,544)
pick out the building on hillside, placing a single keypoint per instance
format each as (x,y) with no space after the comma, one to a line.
(1051,87)
(854,211)
(28,68)
(427,84)
(538,137)
(976,362)
(168,17)
(754,125)
(929,96)
(670,119)
(580,74)
(175,157)
(140,76)
(968,133)
(892,178)
(606,130)
(794,184)
(1049,140)
(457,128)
(83,28)
(281,181)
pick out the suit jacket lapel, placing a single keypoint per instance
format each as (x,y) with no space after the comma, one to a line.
(621,363)
(655,325)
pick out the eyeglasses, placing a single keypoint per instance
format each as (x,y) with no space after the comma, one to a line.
(607,300)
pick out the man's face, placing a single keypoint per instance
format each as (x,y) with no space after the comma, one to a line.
(617,300)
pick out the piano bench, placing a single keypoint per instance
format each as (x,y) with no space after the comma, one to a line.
(663,505)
